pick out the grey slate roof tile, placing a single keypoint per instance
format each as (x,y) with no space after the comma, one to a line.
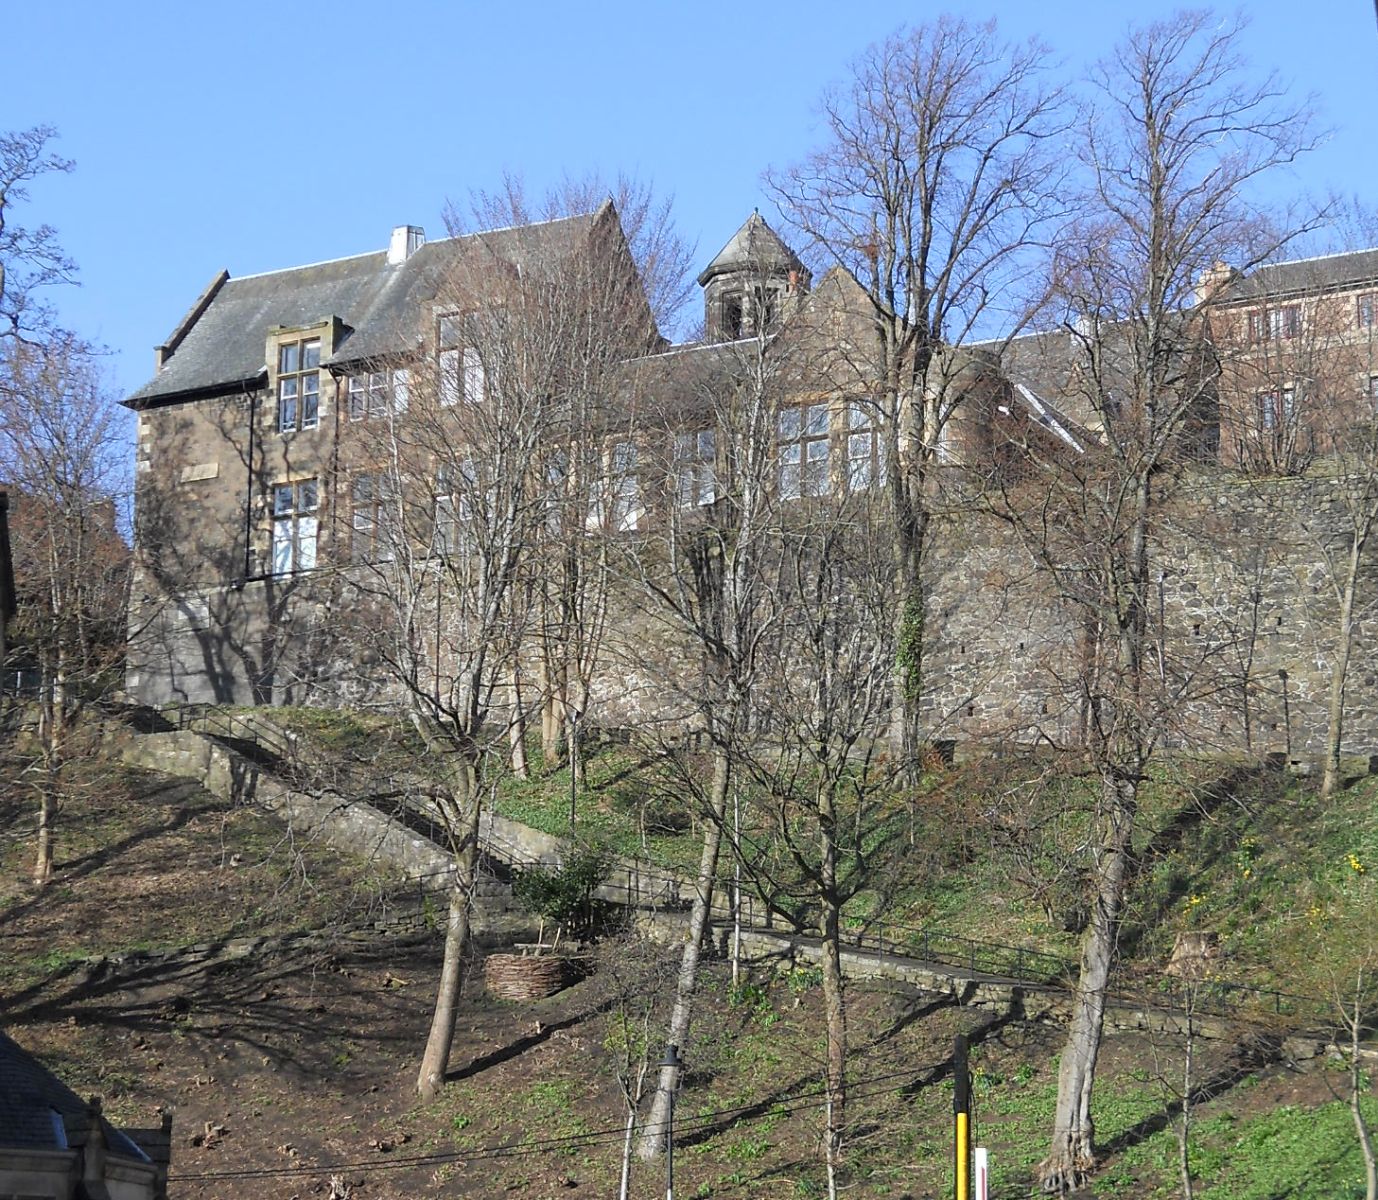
(1308,274)
(755,244)
(380,303)
(30,1096)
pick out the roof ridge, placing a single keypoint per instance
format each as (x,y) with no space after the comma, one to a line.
(325,262)
(690,348)
(458,237)
(1292,262)
(455,237)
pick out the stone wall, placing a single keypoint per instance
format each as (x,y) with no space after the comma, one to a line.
(1246,602)
(1244,590)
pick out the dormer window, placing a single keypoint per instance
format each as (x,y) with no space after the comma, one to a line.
(299,385)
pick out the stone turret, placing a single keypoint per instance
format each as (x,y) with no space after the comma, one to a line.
(747,287)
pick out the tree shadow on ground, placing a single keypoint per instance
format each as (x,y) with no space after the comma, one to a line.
(72,870)
(1260,782)
(541,1033)
(1249,1058)
(249,1004)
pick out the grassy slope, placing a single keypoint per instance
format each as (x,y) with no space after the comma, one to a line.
(294,1054)
(1244,851)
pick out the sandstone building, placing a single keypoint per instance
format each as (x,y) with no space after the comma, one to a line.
(256,498)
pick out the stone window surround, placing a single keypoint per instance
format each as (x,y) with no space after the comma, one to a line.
(296,380)
(1279,322)
(295,517)
(803,435)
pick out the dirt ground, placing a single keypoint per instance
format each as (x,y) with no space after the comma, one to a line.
(290,1073)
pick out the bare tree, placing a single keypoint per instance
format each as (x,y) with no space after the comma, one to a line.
(1346,949)
(640,974)
(30,258)
(1169,155)
(817,764)
(570,574)
(449,501)
(62,455)
(934,191)
(707,581)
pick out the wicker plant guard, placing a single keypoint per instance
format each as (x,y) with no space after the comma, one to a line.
(1194,955)
(528,976)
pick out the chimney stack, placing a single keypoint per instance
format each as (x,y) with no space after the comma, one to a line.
(1213,280)
(406,241)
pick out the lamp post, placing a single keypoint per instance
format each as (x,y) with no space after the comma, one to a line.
(676,1064)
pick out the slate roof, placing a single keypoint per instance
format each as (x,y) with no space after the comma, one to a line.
(381,304)
(40,1112)
(1327,272)
(755,244)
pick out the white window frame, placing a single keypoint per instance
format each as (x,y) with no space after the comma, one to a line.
(617,506)
(375,394)
(1280,322)
(864,454)
(804,448)
(1277,409)
(369,494)
(454,507)
(695,468)
(461,374)
(298,384)
(296,526)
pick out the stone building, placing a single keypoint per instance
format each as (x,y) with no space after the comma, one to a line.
(55,1145)
(249,496)
(1298,357)
(257,503)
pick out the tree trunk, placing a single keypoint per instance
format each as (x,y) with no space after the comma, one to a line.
(1188,1084)
(906,732)
(47,815)
(1356,1091)
(550,716)
(1334,733)
(464,826)
(652,1141)
(52,721)
(628,1136)
(1072,1153)
(835,1019)
(911,528)
(517,731)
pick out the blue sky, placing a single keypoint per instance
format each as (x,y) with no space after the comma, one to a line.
(253,136)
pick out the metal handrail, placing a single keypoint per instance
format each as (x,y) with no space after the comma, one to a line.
(974,957)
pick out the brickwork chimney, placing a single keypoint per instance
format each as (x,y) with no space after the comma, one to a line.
(1212,280)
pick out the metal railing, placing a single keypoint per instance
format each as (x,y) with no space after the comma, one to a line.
(639,883)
